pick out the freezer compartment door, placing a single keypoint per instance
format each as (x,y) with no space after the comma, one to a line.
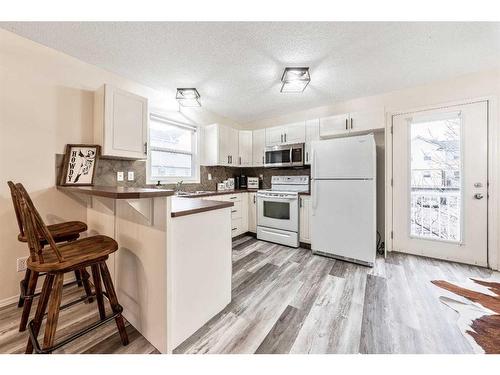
(349,157)
(343,221)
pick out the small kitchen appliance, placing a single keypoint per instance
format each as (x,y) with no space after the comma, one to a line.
(252,182)
(243,182)
(284,155)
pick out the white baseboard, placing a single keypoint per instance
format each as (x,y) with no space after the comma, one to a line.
(14,299)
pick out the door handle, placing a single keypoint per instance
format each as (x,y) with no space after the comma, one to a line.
(346,124)
(254,197)
(478,196)
(240,160)
(285,137)
(307,156)
(262,159)
(145,148)
(351,123)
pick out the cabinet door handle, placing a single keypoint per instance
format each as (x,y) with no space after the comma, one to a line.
(281,138)
(351,122)
(254,199)
(240,160)
(307,156)
(145,148)
(232,197)
(346,124)
(285,137)
(262,159)
(300,202)
(228,159)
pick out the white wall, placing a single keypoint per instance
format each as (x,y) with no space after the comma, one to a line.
(46,101)
(476,85)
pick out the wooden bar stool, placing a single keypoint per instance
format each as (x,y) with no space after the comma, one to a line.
(56,260)
(61,232)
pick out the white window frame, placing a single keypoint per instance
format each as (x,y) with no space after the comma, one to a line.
(195,152)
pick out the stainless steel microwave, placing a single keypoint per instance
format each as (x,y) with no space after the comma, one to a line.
(285,156)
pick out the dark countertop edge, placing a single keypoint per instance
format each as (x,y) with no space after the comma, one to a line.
(117,192)
(192,206)
(223,192)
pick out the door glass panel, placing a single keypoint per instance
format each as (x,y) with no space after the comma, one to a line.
(436,178)
(278,156)
(277,210)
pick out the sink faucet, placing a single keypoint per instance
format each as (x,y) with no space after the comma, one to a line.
(178,186)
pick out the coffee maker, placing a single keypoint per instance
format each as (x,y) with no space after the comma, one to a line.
(243,182)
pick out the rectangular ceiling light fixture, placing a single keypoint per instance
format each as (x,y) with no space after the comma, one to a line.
(188,97)
(295,79)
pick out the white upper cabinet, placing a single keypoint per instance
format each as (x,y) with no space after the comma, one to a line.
(245,148)
(274,136)
(286,134)
(220,145)
(312,134)
(334,125)
(295,133)
(367,120)
(120,123)
(354,122)
(258,147)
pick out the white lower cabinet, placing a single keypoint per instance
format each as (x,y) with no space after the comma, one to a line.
(304,218)
(252,212)
(239,212)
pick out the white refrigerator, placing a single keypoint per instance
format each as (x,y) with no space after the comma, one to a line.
(343,189)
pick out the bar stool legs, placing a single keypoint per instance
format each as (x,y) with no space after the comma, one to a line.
(28,299)
(96,276)
(51,296)
(113,300)
(40,310)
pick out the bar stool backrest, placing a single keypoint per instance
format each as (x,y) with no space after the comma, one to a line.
(17,209)
(34,227)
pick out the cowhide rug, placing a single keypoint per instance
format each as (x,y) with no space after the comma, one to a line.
(479,311)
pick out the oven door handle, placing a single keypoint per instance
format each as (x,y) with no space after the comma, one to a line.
(268,198)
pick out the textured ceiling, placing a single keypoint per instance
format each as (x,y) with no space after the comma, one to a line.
(237,67)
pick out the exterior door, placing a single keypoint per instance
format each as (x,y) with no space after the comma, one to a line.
(440,179)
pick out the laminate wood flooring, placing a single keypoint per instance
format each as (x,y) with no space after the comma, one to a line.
(287,300)
(290,301)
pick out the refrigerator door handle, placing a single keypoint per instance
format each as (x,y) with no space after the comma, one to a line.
(314,197)
(313,162)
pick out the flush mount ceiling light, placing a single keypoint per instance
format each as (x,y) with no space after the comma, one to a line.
(188,97)
(295,80)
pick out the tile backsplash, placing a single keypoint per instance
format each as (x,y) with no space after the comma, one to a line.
(107,168)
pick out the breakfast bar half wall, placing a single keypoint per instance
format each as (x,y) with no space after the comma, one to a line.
(172,271)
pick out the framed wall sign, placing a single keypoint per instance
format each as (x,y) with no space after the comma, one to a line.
(79,164)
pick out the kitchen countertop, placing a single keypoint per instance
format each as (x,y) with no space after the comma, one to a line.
(224,192)
(182,206)
(118,192)
(236,191)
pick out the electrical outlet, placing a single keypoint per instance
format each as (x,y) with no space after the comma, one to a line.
(119,176)
(209,177)
(21,264)
(130,175)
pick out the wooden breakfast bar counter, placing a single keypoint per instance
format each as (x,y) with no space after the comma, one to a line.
(172,272)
